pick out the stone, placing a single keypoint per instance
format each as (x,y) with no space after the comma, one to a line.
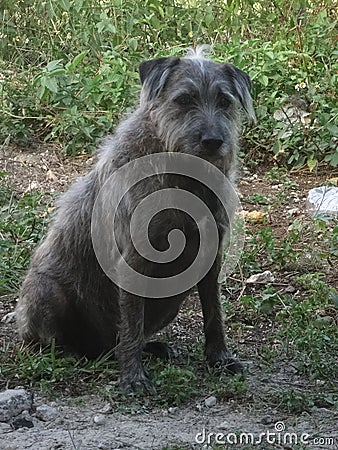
(106,409)
(210,401)
(46,413)
(172,410)
(13,402)
(224,425)
(99,419)
(5,428)
(267,420)
(23,420)
(8,318)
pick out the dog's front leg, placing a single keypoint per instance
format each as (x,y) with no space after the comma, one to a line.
(216,350)
(131,343)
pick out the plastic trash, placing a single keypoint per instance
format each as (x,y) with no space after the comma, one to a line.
(323,202)
(263,277)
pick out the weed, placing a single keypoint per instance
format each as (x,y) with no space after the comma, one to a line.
(50,368)
(297,402)
(257,198)
(309,326)
(177,383)
(263,250)
(22,224)
(262,303)
(225,387)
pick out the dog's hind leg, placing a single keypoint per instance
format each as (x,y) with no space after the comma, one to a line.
(46,311)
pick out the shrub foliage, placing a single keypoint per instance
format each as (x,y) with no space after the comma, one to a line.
(68,69)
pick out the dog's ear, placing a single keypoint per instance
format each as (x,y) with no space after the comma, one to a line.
(242,85)
(154,74)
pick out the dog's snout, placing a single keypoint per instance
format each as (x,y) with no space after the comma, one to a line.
(212,144)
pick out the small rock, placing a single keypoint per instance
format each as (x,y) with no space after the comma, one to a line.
(293,211)
(107,409)
(13,402)
(267,420)
(263,277)
(254,216)
(322,411)
(289,289)
(223,426)
(51,175)
(172,410)
(210,401)
(32,186)
(99,419)
(46,413)
(103,446)
(23,420)
(5,428)
(8,318)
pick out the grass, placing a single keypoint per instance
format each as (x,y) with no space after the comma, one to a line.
(22,224)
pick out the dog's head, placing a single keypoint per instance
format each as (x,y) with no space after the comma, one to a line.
(195,103)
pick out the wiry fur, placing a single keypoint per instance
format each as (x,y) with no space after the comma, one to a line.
(66,296)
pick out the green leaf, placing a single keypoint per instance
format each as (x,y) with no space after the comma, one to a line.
(37,80)
(65,4)
(332,159)
(100,26)
(155,22)
(333,129)
(208,19)
(50,84)
(76,61)
(264,80)
(41,92)
(56,72)
(133,44)
(311,163)
(52,65)
(334,297)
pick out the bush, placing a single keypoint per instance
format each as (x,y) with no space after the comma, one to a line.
(68,69)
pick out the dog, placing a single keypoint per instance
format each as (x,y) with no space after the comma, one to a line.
(188,106)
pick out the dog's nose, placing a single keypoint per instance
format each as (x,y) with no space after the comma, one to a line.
(212,144)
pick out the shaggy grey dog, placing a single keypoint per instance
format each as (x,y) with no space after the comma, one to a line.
(189,105)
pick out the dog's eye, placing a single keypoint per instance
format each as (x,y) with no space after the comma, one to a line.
(224,101)
(184,100)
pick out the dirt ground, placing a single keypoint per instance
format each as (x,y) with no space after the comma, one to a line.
(87,422)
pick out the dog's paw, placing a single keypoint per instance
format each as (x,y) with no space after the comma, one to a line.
(137,385)
(226,362)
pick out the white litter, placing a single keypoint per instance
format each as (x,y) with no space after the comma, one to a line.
(323,202)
